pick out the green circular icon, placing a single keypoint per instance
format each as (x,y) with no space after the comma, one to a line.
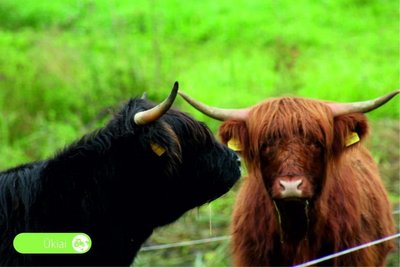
(81,243)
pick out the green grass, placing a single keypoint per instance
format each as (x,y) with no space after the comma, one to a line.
(64,62)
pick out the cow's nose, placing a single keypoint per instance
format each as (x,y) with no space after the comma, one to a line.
(239,161)
(291,188)
(236,158)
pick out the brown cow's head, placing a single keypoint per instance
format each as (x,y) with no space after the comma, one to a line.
(287,142)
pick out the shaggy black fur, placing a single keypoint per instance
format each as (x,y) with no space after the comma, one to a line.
(112,186)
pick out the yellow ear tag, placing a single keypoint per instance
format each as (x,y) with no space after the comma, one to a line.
(234,144)
(352,139)
(157,149)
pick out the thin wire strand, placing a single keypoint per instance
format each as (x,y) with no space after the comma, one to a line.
(214,239)
(210,219)
(369,244)
(186,243)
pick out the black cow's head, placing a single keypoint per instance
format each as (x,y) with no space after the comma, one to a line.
(170,162)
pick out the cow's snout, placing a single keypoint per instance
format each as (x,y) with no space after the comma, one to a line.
(291,187)
(238,160)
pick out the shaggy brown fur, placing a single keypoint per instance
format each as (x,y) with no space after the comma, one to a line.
(344,204)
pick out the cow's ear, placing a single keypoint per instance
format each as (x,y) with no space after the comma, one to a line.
(163,142)
(234,134)
(349,131)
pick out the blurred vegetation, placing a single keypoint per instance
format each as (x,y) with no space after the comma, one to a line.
(65,63)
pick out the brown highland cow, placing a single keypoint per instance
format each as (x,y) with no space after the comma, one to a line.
(312,187)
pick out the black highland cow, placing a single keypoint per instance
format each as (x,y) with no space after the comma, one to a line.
(144,169)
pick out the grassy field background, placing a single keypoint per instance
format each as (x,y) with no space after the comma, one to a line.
(63,63)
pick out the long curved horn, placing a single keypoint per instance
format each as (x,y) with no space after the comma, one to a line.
(147,116)
(362,107)
(217,113)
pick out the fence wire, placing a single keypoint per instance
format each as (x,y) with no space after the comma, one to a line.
(186,243)
(309,263)
(350,250)
(199,241)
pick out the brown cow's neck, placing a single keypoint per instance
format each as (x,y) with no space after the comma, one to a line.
(293,219)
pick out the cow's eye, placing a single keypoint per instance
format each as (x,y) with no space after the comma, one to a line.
(268,143)
(315,146)
(266,152)
(312,143)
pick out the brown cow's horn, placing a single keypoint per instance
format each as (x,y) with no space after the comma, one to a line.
(217,113)
(145,117)
(361,107)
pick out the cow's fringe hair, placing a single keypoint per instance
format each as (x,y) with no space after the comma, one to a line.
(286,118)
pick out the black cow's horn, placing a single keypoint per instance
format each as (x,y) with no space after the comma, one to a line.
(362,107)
(145,117)
(217,113)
